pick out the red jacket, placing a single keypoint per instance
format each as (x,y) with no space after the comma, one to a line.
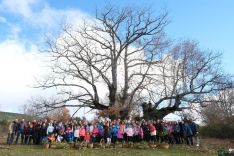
(34,125)
(152,128)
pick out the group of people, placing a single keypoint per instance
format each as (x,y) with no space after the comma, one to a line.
(110,131)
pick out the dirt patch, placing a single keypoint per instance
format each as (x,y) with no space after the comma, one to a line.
(228,143)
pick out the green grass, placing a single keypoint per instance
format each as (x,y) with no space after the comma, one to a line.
(31,150)
(9,116)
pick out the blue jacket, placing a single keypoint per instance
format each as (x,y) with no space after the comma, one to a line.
(99,125)
(187,130)
(69,133)
(193,127)
(114,131)
(117,126)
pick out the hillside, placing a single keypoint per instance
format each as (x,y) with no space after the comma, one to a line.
(11,116)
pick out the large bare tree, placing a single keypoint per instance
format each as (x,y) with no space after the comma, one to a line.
(186,76)
(112,53)
(123,53)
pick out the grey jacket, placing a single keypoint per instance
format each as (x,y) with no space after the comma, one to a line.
(166,130)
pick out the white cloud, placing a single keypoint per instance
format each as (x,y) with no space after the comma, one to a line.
(17,64)
(2,19)
(18,57)
(19,7)
(39,14)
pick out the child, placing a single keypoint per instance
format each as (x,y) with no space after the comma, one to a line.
(129,132)
(114,133)
(87,137)
(28,134)
(108,135)
(69,135)
(141,133)
(120,134)
(76,133)
(101,133)
(135,133)
(95,133)
(82,133)
(51,138)
(56,132)
(50,129)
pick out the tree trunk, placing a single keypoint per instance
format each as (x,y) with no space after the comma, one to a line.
(150,113)
(112,95)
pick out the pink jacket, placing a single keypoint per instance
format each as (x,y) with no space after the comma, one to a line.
(171,128)
(129,131)
(120,134)
(95,131)
(141,132)
(135,130)
(82,132)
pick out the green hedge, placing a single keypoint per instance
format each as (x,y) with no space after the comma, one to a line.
(218,130)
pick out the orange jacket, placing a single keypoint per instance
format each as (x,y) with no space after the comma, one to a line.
(87,137)
(51,139)
(123,126)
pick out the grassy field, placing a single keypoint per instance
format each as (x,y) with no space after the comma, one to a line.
(208,147)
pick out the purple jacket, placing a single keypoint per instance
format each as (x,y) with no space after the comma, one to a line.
(101,132)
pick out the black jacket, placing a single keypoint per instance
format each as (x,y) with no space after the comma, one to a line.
(158,127)
(29,131)
(146,129)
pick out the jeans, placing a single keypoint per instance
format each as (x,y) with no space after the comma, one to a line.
(10,138)
(20,132)
(196,138)
(108,141)
(93,139)
(189,140)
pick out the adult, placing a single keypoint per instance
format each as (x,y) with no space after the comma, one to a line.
(194,129)
(166,132)
(176,129)
(187,132)
(159,129)
(146,130)
(152,133)
(181,136)
(20,131)
(10,137)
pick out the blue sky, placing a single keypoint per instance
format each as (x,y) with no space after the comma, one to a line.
(23,22)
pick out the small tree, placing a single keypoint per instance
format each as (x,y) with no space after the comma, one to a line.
(60,114)
(218,115)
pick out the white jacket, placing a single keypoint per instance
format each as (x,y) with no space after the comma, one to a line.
(76,133)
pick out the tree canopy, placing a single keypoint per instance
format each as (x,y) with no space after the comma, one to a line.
(121,57)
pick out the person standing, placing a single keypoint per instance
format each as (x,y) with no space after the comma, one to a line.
(152,133)
(10,137)
(20,131)
(146,130)
(114,132)
(166,132)
(108,135)
(194,129)
(187,132)
(176,129)
(159,129)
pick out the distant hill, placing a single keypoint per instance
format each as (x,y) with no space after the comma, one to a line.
(11,116)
